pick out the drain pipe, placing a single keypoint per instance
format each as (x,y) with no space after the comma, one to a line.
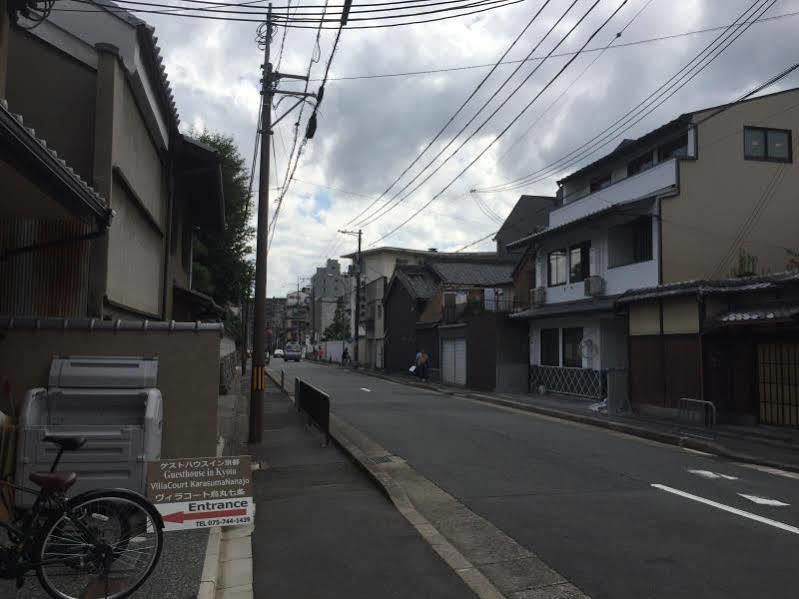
(26,249)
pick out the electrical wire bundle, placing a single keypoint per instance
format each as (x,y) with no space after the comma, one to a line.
(397,13)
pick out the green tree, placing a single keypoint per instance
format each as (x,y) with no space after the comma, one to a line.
(339,329)
(222,267)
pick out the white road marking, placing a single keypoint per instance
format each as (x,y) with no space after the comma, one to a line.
(712,475)
(365,389)
(770,470)
(697,452)
(727,508)
(764,500)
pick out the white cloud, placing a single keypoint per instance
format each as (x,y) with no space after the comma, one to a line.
(370,129)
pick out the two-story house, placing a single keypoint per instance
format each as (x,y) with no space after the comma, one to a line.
(92,89)
(675,204)
(377,267)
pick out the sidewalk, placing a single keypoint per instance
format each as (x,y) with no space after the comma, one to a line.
(768,446)
(324,530)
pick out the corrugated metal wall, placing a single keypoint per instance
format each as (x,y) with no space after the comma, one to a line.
(48,282)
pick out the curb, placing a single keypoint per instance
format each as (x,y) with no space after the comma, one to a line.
(210,575)
(621,427)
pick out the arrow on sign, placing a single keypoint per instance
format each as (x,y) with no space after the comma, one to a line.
(180,517)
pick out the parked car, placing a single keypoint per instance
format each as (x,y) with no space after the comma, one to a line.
(293,352)
(279,354)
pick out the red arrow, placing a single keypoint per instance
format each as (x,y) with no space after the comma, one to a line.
(179,517)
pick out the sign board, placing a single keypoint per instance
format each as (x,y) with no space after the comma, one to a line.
(202,492)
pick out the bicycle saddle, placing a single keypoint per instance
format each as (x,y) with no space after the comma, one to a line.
(54,481)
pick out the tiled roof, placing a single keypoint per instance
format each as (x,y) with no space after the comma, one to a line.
(474,273)
(584,306)
(759,314)
(418,280)
(97,202)
(709,287)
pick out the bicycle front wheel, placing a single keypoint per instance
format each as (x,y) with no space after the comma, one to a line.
(103,545)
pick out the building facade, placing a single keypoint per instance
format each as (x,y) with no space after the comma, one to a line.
(678,203)
(108,113)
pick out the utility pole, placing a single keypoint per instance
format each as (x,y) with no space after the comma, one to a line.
(258,379)
(357,289)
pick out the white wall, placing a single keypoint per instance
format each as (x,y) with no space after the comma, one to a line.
(628,189)
(617,280)
(606,335)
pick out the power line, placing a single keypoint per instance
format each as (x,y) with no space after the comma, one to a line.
(468,245)
(398,201)
(204,15)
(394,201)
(646,106)
(518,116)
(360,8)
(457,112)
(557,100)
(763,20)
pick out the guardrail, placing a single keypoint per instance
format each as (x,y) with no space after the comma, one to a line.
(315,403)
(707,407)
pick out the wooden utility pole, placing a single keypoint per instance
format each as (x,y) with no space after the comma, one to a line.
(268,90)
(258,380)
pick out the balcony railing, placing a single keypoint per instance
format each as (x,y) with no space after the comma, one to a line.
(656,179)
(455,313)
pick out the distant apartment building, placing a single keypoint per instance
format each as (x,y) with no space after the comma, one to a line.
(328,285)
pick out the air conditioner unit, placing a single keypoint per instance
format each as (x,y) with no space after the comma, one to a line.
(594,286)
(537,296)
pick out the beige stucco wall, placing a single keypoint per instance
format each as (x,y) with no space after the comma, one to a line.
(137,156)
(188,374)
(136,240)
(719,191)
(644,319)
(135,257)
(680,315)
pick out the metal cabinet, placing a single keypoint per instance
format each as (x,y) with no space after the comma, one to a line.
(113,402)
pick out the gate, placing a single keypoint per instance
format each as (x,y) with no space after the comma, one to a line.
(778,383)
(453,361)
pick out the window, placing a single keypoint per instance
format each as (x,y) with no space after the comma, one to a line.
(579,258)
(599,183)
(557,268)
(676,148)
(572,353)
(767,144)
(549,347)
(640,164)
(630,243)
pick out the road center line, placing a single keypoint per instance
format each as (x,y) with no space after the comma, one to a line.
(365,389)
(727,508)
(764,500)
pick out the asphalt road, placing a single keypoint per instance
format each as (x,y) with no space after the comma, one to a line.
(585,499)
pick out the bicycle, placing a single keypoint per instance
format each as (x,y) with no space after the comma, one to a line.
(100,543)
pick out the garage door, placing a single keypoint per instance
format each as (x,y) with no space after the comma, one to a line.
(453,361)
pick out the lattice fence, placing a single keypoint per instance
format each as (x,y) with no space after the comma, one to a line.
(571,381)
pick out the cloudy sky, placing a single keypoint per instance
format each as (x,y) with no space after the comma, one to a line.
(371,129)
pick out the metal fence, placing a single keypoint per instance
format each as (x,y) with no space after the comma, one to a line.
(315,403)
(584,382)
